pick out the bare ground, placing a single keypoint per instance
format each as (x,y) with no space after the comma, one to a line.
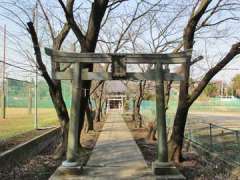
(42,166)
(196,166)
(18,139)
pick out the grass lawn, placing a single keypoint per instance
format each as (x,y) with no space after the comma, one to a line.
(19,121)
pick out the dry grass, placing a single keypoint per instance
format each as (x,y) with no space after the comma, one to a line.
(19,121)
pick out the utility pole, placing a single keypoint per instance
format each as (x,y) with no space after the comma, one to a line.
(36,102)
(222,89)
(3,76)
(30,87)
(36,73)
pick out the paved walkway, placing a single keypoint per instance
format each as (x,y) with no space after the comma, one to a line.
(115,156)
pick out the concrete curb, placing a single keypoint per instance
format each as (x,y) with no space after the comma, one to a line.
(26,150)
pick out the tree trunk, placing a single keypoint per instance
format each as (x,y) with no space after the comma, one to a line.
(139,102)
(63,118)
(138,114)
(134,110)
(88,43)
(55,88)
(175,143)
(177,137)
(98,111)
(96,108)
(84,104)
(89,118)
(99,106)
(152,129)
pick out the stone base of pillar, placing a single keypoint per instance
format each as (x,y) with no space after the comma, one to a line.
(70,164)
(166,171)
(67,173)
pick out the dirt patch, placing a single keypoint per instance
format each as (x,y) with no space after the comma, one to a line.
(24,137)
(196,165)
(42,166)
(38,168)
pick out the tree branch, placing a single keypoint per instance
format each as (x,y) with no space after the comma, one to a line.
(41,66)
(116,2)
(190,29)
(94,24)
(47,19)
(234,51)
(61,36)
(197,59)
(68,10)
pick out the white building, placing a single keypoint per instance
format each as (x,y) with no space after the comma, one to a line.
(116,95)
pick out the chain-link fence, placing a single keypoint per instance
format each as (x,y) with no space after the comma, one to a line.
(230,104)
(223,141)
(217,104)
(22,111)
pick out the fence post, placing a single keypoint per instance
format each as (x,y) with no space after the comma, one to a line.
(210,135)
(30,95)
(190,139)
(237,137)
(36,100)
(3,103)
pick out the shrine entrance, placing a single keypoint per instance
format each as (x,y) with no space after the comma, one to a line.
(115,93)
(115,104)
(160,73)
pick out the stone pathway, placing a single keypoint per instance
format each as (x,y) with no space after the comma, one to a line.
(115,156)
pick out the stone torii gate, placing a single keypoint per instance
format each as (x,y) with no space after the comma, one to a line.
(119,72)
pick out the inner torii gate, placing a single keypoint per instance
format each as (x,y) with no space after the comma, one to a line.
(119,72)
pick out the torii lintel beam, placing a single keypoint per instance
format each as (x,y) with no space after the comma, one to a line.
(70,57)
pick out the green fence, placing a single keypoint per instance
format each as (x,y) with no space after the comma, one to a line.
(18,94)
(148,108)
(20,108)
(217,104)
(220,140)
(210,104)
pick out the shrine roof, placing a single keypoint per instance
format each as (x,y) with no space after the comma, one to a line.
(113,87)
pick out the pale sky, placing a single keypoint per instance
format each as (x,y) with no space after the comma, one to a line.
(207,44)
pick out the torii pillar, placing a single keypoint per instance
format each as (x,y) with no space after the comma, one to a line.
(162,168)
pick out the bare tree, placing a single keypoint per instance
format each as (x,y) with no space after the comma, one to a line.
(157,43)
(88,42)
(55,88)
(121,39)
(202,12)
